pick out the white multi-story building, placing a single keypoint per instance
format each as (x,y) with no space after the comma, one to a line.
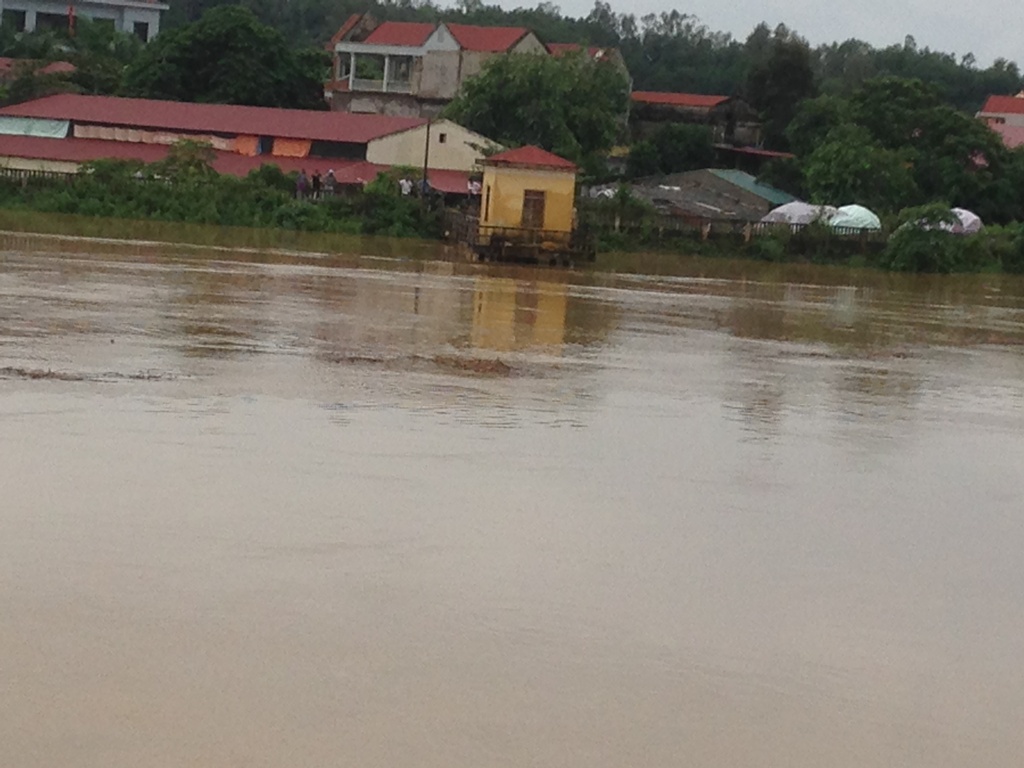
(408,68)
(137,17)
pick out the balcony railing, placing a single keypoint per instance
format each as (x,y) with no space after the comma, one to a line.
(379,86)
(363,84)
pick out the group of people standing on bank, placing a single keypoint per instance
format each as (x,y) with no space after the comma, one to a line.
(315,187)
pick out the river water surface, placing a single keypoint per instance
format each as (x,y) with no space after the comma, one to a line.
(275,509)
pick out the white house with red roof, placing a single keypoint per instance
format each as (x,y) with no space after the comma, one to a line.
(413,68)
(1003,110)
(1005,116)
(135,17)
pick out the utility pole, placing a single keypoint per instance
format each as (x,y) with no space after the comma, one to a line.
(426,164)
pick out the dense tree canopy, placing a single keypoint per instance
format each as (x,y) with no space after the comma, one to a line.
(891,131)
(228,57)
(671,149)
(849,166)
(99,53)
(779,80)
(569,105)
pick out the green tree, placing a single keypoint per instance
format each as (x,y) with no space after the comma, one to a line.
(813,121)
(850,167)
(228,57)
(672,148)
(569,105)
(187,161)
(98,52)
(643,160)
(777,84)
(684,147)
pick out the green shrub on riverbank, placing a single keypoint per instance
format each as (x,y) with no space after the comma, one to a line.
(183,188)
(918,243)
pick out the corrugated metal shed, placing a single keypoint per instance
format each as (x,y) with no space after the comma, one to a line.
(751,184)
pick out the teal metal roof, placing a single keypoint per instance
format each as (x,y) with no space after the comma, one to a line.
(751,184)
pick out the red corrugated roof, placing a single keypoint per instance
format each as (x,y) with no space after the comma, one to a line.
(698,100)
(343,30)
(486,39)
(756,151)
(531,156)
(79,150)
(58,68)
(1003,105)
(400,33)
(8,65)
(84,150)
(226,119)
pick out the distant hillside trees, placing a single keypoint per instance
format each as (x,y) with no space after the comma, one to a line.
(670,51)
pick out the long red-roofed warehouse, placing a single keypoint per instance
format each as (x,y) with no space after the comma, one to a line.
(268,133)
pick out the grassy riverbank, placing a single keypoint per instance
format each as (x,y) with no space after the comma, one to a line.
(181,200)
(183,188)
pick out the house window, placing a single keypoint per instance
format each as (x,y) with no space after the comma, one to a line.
(13,20)
(487,203)
(400,70)
(533,209)
(54,21)
(141,30)
(442,138)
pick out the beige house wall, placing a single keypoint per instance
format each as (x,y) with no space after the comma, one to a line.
(474,61)
(439,76)
(32,164)
(452,147)
(529,44)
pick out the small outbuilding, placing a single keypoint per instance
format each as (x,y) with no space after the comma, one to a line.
(527,209)
(528,188)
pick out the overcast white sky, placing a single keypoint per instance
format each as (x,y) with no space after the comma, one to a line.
(988,28)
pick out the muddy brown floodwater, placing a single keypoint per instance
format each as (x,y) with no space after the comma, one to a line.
(276,509)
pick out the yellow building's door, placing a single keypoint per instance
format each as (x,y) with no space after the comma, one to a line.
(533,209)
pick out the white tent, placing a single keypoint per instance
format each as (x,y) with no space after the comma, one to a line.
(969,222)
(962,222)
(855,217)
(798,212)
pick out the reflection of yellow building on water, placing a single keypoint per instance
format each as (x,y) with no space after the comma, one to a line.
(510,314)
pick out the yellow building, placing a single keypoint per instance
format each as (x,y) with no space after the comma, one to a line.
(528,189)
(527,207)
